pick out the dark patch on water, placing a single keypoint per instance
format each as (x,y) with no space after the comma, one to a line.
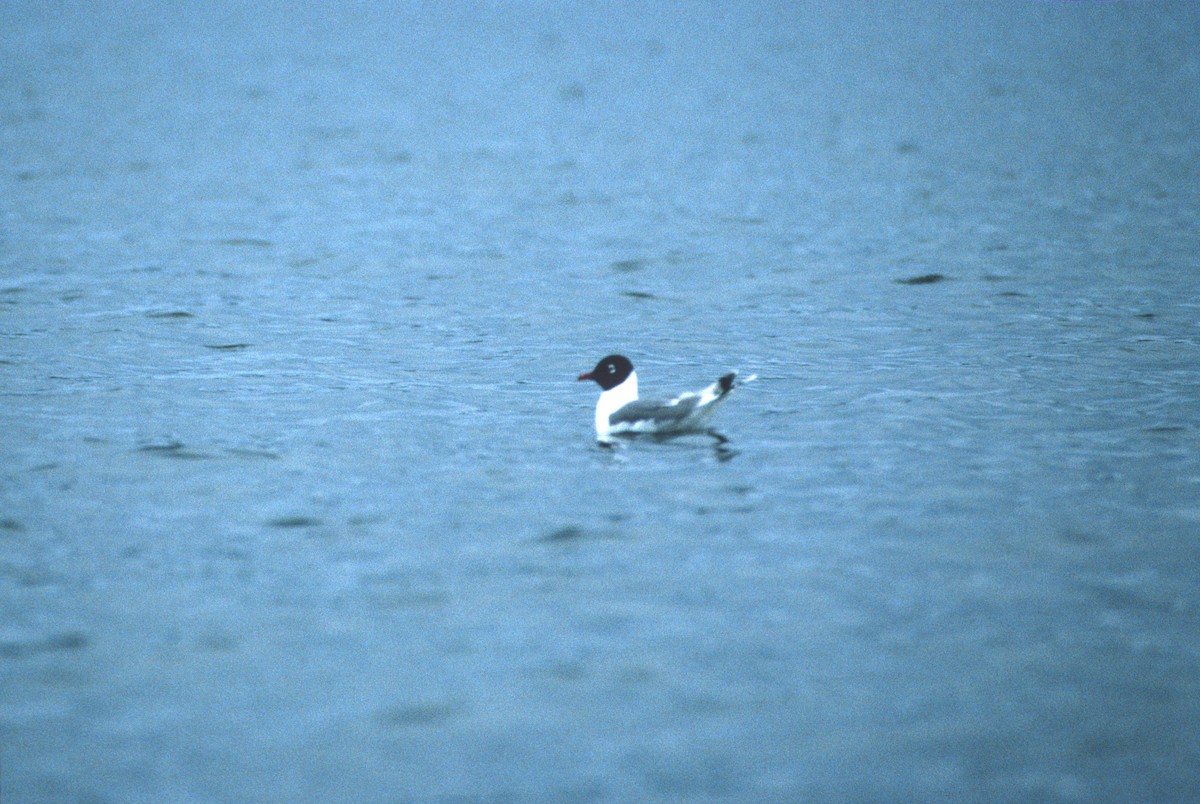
(10,524)
(174,449)
(412,715)
(171,314)
(923,279)
(627,266)
(169,446)
(241,452)
(294,522)
(55,643)
(1120,599)
(637,294)
(333,133)
(244,242)
(1078,537)
(68,640)
(709,510)
(570,533)
(35,577)
(411,600)
(226,347)
(395,157)
(217,642)
(572,92)
(568,671)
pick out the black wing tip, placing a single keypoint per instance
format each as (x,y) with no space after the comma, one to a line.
(726,382)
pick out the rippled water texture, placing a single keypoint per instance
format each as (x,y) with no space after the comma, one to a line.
(299,497)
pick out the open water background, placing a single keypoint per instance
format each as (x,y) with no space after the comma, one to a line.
(299,498)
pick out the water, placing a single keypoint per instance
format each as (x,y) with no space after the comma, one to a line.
(299,496)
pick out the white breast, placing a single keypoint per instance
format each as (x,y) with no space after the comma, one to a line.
(613,400)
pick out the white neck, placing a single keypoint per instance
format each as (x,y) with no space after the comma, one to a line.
(613,400)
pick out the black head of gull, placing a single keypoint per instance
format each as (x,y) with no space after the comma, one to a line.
(609,372)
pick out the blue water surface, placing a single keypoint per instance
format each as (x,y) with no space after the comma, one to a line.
(299,499)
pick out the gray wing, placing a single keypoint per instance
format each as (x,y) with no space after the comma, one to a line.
(656,411)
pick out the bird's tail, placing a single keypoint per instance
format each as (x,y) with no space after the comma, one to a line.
(731,381)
